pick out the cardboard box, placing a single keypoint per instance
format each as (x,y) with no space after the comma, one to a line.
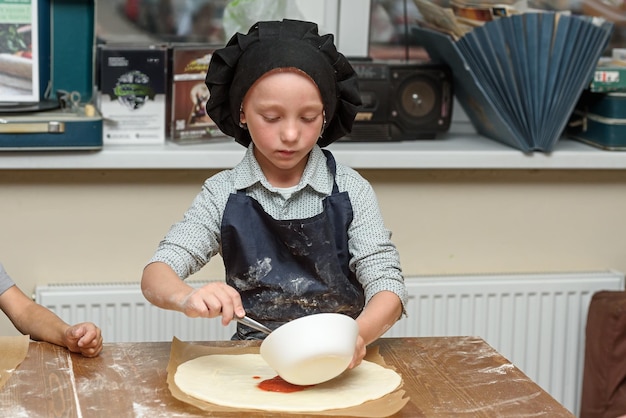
(189,94)
(132,97)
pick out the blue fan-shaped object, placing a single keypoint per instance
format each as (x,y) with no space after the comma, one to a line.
(518,78)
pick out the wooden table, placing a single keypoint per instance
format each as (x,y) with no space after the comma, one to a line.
(447,376)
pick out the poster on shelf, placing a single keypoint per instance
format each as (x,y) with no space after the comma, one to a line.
(19,51)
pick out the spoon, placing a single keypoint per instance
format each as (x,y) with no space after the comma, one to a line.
(253,324)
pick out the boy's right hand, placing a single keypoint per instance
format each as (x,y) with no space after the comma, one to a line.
(211,300)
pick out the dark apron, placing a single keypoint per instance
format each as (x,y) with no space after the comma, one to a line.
(284,270)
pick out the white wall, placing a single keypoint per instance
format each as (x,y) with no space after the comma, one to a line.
(102,226)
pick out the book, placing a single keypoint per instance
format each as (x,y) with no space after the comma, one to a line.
(189,121)
(19,52)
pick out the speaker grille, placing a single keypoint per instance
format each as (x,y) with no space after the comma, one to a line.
(417,98)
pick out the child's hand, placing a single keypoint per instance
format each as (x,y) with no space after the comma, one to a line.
(212,300)
(84,338)
(359,352)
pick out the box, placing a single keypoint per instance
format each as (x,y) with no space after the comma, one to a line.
(608,76)
(65,69)
(600,120)
(132,97)
(189,121)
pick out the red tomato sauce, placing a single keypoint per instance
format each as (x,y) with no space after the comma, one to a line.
(277,384)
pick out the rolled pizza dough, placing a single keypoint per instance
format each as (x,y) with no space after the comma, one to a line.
(232,381)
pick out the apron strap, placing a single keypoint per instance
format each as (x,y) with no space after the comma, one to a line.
(332,166)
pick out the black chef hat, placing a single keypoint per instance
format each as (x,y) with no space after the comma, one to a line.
(270,45)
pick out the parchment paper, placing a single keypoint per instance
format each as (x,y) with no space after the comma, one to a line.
(182,352)
(14,351)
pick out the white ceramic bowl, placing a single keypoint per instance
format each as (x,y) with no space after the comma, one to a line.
(311,349)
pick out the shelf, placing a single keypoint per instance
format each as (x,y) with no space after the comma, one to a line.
(461,148)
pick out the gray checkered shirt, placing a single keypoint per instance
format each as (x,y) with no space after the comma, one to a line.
(193,241)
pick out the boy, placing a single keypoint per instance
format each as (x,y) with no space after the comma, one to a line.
(298,233)
(43,325)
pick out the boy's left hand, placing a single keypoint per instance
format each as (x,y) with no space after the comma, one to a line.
(84,338)
(359,352)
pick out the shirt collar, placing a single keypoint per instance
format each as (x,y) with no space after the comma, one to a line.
(316,175)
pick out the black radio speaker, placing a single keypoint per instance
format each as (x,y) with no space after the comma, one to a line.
(402,101)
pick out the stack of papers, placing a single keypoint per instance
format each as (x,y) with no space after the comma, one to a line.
(519,77)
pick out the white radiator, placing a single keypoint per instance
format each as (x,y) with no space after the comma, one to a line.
(124,315)
(537,321)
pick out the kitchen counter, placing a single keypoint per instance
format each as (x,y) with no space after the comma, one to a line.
(446,376)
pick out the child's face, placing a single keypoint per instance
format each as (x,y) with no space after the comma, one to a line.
(284,114)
